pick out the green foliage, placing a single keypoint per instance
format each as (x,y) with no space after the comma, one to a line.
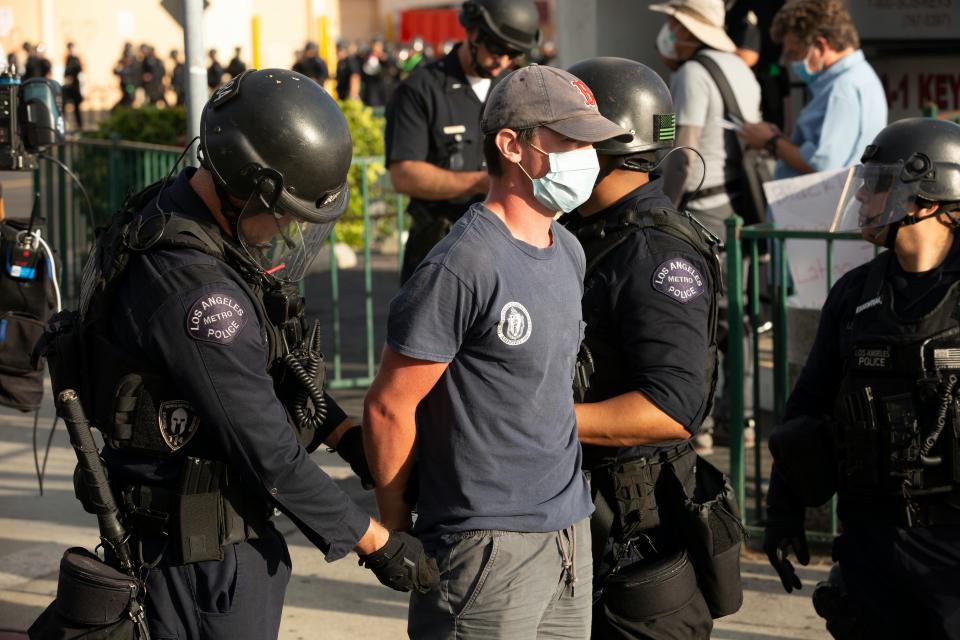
(146,124)
(367,130)
(168,126)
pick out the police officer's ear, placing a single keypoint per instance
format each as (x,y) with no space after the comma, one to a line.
(926,209)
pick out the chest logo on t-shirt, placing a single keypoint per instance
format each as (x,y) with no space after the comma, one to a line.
(515,324)
(216,317)
(678,280)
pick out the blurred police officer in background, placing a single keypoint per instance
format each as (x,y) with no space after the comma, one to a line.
(874,416)
(433,137)
(650,304)
(202,373)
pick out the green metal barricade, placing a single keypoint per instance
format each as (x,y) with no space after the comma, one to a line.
(111,169)
(108,169)
(746,242)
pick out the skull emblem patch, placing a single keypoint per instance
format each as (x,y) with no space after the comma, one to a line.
(178,423)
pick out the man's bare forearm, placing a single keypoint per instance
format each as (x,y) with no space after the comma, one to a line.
(423,180)
(626,420)
(389,439)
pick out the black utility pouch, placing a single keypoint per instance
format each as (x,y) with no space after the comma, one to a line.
(710,525)
(648,590)
(201,511)
(21,379)
(94,602)
(635,504)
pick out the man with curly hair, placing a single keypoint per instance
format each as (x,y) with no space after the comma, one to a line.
(847,107)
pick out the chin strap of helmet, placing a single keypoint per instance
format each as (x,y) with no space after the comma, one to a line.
(481,72)
(894,227)
(644,162)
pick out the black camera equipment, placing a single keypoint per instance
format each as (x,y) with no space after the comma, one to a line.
(31,120)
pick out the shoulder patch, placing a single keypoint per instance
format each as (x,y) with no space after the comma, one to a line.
(216,317)
(679,280)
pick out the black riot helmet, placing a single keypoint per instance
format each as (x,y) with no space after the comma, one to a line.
(910,164)
(515,23)
(635,97)
(276,141)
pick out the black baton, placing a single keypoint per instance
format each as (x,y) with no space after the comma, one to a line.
(95,477)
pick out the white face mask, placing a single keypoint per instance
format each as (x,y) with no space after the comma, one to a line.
(570,181)
(667,42)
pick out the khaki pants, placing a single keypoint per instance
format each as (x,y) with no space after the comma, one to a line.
(510,585)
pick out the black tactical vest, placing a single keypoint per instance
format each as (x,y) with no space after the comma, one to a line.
(600,239)
(898,413)
(125,398)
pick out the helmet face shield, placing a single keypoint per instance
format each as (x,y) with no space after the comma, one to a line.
(279,241)
(874,196)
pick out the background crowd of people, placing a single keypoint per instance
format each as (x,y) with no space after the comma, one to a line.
(365,70)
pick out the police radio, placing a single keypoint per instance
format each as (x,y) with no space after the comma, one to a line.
(31,119)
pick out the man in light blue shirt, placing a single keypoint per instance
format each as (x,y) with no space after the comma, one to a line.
(847,107)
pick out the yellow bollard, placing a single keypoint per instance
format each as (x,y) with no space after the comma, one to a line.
(255,40)
(327,52)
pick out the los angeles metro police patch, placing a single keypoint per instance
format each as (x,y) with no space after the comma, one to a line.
(678,280)
(216,317)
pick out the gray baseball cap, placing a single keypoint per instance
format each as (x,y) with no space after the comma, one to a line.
(540,96)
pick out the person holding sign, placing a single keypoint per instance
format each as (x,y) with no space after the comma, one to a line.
(875,413)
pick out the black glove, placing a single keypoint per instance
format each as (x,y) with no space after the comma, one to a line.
(784,531)
(350,448)
(402,564)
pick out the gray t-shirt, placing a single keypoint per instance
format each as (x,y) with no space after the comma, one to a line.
(496,437)
(699,104)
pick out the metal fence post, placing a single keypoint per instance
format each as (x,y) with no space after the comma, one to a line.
(69,227)
(781,368)
(367,267)
(734,358)
(753,312)
(115,173)
(401,245)
(335,306)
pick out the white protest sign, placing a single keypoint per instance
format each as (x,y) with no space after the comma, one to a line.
(6,21)
(808,203)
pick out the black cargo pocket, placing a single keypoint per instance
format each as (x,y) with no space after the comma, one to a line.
(21,383)
(19,334)
(710,524)
(649,590)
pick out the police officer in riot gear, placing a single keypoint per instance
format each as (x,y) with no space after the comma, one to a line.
(433,134)
(196,362)
(878,399)
(648,370)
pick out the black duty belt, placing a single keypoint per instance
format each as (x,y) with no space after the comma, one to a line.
(200,518)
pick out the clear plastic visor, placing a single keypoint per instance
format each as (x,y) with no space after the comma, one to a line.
(279,242)
(874,196)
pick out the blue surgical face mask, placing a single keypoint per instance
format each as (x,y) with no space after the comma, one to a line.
(569,183)
(801,69)
(667,42)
